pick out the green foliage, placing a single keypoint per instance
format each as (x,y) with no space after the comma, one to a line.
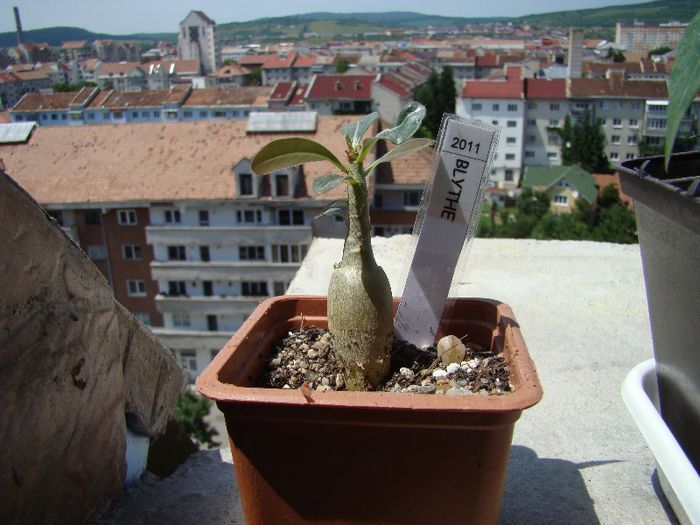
(326,183)
(616,224)
(583,143)
(561,226)
(685,81)
(439,95)
(659,51)
(190,413)
(283,153)
(63,88)
(341,66)
(256,77)
(530,202)
(616,55)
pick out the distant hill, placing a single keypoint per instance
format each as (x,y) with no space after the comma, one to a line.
(56,35)
(648,12)
(343,24)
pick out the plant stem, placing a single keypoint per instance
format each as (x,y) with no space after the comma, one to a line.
(358,248)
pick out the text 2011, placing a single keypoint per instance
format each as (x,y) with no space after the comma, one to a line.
(463,144)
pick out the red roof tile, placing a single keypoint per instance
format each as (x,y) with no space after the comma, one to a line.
(545,88)
(617,86)
(256,60)
(493,89)
(341,87)
(305,61)
(283,90)
(119,69)
(280,62)
(391,83)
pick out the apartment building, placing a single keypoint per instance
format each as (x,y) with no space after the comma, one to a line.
(501,103)
(289,68)
(331,94)
(190,238)
(645,37)
(197,40)
(546,108)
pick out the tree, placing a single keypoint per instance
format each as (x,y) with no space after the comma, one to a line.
(439,96)
(659,51)
(583,143)
(616,224)
(190,412)
(341,66)
(530,202)
(562,227)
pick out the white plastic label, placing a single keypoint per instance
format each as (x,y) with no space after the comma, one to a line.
(449,213)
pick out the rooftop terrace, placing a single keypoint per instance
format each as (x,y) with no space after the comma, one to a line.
(577,456)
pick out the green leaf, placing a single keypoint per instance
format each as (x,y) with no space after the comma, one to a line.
(685,81)
(407,123)
(408,147)
(356,130)
(283,153)
(326,183)
(332,211)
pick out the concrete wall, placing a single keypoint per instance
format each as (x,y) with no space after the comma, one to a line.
(75,368)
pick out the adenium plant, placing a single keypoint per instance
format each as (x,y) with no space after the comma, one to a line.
(359,295)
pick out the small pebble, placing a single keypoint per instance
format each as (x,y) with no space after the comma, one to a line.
(453,368)
(312,354)
(439,372)
(407,373)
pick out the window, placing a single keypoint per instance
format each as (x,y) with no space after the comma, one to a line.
(279,287)
(251,253)
(476,106)
(532,105)
(204,217)
(204,254)
(656,123)
(614,155)
(282,185)
(171,115)
(188,360)
(552,138)
(554,107)
(629,156)
(208,288)
(530,139)
(117,114)
(176,288)
(286,253)
(551,154)
(531,122)
(253,288)
(144,317)
(510,140)
(411,198)
(136,287)
(177,253)
(131,252)
(512,107)
(378,200)
(212,323)
(494,122)
(634,123)
(496,107)
(617,122)
(654,141)
(134,114)
(91,116)
(156,114)
(203,114)
(92,217)
(219,113)
(614,139)
(529,154)
(126,217)
(632,140)
(553,122)
(512,123)
(246,184)
(508,176)
(561,200)
(656,108)
(510,156)
(97,252)
(181,319)
(187,114)
(173,217)
(144,114)
(289,217)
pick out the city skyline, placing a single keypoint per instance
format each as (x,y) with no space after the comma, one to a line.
(118,18)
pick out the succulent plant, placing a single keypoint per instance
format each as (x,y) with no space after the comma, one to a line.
(359,295)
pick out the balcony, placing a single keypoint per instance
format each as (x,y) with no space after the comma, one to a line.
(228,235)
(223,271)
(179,339)
(214,304)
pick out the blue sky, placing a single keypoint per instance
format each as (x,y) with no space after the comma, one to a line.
(136,16)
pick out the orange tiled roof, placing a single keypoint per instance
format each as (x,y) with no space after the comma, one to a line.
(149,162)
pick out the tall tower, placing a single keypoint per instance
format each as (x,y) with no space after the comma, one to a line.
(197,39)
(18,25)
(575,58)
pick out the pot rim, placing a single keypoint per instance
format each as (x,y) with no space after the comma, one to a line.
(524,377)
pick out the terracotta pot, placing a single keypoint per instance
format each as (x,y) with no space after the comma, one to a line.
(368,457)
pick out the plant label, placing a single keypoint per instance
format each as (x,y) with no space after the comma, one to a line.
(447,221)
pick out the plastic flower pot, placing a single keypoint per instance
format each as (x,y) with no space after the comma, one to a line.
(368,457)
(668,219)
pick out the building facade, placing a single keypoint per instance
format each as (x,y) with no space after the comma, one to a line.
(197,40)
